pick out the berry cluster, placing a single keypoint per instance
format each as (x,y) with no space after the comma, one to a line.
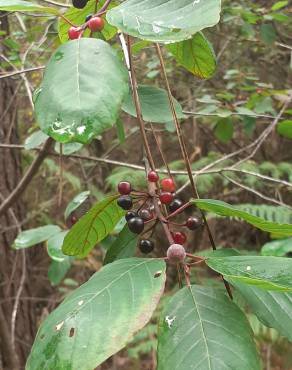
(94,23)
(158,205)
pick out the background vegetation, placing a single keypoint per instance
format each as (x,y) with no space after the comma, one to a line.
(222,115)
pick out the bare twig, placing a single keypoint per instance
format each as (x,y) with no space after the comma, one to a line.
(25,181)
(11,74)
(247,188)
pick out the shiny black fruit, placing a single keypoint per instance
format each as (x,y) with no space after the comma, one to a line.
(125,202)
(136,225)
(146,246)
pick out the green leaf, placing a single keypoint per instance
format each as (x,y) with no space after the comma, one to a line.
(269,273)
(25,6)
(154,104)
(77,17)
(279,5)
(58,270)
(201,329)
(55,246)
(196,55)
(164,20)
(94,226)
(120,131)
(268,33)
(284,128)
(277,248)
(123,247)
(76,202)
(224,130)
(220,252)
(68,148)
(273,309)
(35,140)
(227,210)
(82,91)
(31,237)
(99,318)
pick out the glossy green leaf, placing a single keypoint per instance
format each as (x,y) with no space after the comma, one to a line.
(224,129)
(154,104)
(220,252)
(58,270)
(196,55)
(284,128)
(268,33)
(224,209)
(54,246)
(77,17)
(82,91)
(269,273)
(277,248)
(123,247)
(273,309)
(35,140)
(94,226)
(76,202)
(25,6)
(31,237)
(164,20)
(202,329)
(100,317)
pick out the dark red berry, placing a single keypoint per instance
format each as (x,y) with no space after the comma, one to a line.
(130,214)
(179,238)
(146,214)
(136,225)
(79,4)
(168,185)
(96,24)
(73,220)
(176,253)
(124,188)
(193,223)
(166,197)
(125,202)
(175,205)
(74,33)
(146,246)
(153,176)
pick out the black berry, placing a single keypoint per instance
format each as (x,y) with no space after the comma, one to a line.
(136,225)
(79,4)
(193,223)
(88,17)
(175,205)
(124,188)
(146,246)
(125,202)
(130,214)
(146,214)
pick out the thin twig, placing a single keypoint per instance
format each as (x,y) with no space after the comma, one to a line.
(11,74)
(26,179)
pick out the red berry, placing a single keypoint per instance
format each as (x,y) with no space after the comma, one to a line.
(168,185)
(179,238)
(73,220)
(74,33)
(166,197)
(176,253)
(96,24)
(124,188)
(193,223)
(153,176)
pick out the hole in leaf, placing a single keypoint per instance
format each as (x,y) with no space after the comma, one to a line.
(72,332)
(157,274)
